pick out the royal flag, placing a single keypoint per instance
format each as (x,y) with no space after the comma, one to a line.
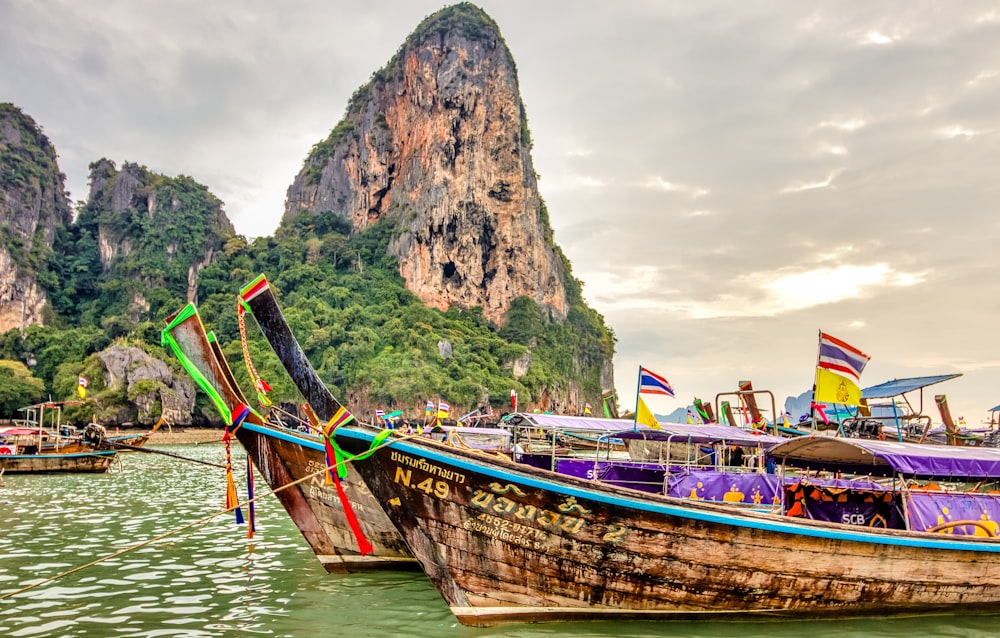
(652,383)
(838,371)
(645,416)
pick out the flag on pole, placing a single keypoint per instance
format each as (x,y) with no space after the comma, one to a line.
(838,371)
(840,357)
(81,387)
(586,409)
(644,416)
(443,410)
(513,401)
(652,383)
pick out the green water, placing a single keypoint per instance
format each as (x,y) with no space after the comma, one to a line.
(210,580)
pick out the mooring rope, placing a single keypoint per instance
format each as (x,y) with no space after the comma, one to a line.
(201,521)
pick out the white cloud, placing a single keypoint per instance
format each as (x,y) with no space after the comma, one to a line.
(849,125)
(808,186)
(694,192)
(874,37)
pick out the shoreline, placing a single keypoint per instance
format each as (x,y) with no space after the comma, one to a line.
(175,435)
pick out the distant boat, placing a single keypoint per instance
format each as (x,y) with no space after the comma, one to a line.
(505,542)
(34,448)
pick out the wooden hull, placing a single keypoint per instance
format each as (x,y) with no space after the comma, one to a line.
(284,456)
(88,462)
(503,542)
(388,545)
(324,526)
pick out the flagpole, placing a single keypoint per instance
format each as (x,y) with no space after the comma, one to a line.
(635,413)
(812,412)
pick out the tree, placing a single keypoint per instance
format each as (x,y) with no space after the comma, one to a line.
(18,388)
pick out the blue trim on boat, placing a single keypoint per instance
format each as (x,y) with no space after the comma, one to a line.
(59,456)
(660,508)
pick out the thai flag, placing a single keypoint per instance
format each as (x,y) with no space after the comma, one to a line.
(652,383)
(379,415)
(840,357)
(82,382)
(443,409)
(430,407)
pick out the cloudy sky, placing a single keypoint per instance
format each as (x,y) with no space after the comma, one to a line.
(727,178)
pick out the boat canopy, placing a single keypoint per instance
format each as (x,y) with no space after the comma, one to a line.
(703,433)
(14,431)
(884,458)
(561,422)
(625,429)
(897,387)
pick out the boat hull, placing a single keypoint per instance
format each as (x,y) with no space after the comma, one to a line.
(286,456)
(88,462)
(505,543)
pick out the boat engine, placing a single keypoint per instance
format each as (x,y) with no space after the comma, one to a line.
(94,433)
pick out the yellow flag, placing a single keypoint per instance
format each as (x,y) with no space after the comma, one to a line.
(81,391)
(644,416)
(833,388)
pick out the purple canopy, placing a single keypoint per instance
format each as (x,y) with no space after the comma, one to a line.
(863,456)
(714,433)
(675,432)
(560,422)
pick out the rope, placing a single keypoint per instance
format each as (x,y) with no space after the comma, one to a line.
(201,521)
(133,448)
(259,384)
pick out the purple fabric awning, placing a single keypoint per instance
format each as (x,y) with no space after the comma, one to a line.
(885,457)
(675,432)
(683,433)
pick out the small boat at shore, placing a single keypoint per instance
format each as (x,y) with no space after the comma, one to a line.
(32,447)
(508,542)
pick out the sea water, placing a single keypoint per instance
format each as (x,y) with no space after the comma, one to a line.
(154,557)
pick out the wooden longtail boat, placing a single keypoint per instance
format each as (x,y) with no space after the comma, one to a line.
(506,542)
(36,449)
(284,456)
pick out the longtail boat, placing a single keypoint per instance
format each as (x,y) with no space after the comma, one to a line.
(34,448)
(507,542)
(284,456)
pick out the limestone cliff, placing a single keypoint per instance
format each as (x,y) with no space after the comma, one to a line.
(33,207)
(152,233)
(438,139)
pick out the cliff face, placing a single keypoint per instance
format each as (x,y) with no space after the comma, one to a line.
(33,207)
(438,140)
(152,231)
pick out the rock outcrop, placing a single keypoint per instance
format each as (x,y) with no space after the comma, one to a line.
(33,207)
(438,139)
(150,385)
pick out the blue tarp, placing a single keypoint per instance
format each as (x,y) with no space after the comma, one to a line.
(863,456)
(897,387)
